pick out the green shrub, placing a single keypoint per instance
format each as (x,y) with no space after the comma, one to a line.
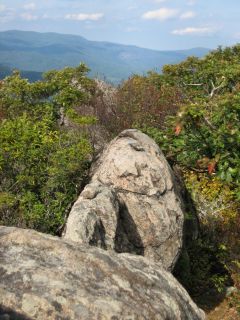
(43,168)
(42,165)
(203,139)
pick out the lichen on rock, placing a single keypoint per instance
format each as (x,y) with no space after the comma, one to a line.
(45,277)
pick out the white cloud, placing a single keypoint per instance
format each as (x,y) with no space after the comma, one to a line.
(193,31)
(84,16)
(28,16)
(188,15)
(2,7)
(6,14)
(159,1)
(237,35)
(132,7)
(191,2)
(160,14)
(30,6)
(132,29)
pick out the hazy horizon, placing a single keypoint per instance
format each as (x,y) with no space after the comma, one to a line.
(99,40)
(151,24)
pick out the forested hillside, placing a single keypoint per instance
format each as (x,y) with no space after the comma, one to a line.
(191,109)
(40,52)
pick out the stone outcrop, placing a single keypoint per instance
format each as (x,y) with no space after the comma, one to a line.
(44,277)
(97,222)
(131,204)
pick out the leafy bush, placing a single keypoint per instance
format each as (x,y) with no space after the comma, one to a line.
(42,165)
(43,168)
(209,257)
(216,73)
(203,138)
(138,102)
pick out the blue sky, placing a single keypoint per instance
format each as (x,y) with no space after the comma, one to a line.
(156,24)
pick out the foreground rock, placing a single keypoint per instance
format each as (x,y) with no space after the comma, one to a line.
(43,277)
(131,204)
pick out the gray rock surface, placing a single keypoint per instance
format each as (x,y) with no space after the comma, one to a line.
(44,277)
(97,222)
(148,219)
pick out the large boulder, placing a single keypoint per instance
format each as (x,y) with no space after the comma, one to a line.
(143,214)
(44,277)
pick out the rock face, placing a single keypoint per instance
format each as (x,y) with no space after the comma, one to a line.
(97,222)
(43,277)
(131,204)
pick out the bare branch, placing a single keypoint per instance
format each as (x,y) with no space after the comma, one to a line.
(215,89)
(209,123)
(193,84)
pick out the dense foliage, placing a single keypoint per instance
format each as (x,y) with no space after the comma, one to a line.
(139,102)
(42,165)
(207,134)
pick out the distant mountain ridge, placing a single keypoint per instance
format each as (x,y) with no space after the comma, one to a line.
(39,52)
